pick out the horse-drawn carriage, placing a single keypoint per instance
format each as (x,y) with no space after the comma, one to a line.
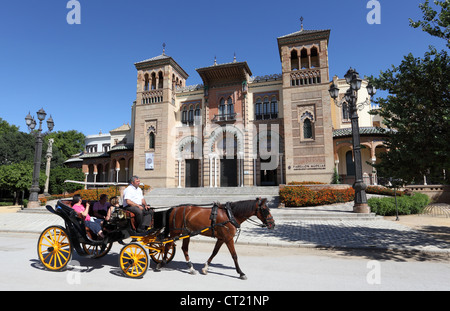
(56,243)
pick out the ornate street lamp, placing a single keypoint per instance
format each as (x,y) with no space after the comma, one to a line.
(351,101)
(31,123)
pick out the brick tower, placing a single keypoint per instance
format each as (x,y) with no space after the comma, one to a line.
(155,120)
(306,104)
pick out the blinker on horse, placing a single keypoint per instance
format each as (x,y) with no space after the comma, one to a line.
(189,219)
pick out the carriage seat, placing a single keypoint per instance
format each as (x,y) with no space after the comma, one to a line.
(132,217)
(89,232)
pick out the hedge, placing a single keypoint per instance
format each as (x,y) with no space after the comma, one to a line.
(407,205)
(383,190)
(303,196)
(94,194)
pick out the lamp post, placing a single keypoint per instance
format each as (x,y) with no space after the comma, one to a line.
(31,123)
(351,101)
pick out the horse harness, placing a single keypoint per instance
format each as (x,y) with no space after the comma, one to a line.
(212,217)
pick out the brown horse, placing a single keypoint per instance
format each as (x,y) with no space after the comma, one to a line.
(192,219)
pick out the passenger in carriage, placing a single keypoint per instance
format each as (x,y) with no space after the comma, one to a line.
(133,201)
(91,222)
(101,207)
(114,204)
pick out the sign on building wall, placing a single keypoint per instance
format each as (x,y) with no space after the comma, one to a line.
(149,161)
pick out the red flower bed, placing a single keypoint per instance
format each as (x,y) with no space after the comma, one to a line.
(303,196)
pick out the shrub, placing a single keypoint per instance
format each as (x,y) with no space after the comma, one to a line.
(406,205)
(94,194)
(306,183)
(382,190)
(303,196)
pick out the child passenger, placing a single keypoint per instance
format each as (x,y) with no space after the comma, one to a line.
(114,202)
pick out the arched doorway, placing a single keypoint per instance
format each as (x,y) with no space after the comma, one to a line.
(226,144)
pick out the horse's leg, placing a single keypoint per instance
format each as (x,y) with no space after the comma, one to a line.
(164,260)
(185,248)
(230,245)
(214,253)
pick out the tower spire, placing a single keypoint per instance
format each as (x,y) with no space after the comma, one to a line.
(301,21)
(164,49)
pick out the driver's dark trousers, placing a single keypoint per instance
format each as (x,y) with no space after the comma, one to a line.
(143,217)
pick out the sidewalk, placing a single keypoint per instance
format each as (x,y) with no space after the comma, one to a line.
(331,226)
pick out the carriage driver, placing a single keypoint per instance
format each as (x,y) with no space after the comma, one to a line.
(133,201)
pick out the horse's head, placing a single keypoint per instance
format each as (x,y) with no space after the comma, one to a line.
(263,213)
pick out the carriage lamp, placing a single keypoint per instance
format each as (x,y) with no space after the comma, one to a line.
(351,101)
(31,123)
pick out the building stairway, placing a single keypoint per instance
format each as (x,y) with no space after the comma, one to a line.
(160,197)
(167,197)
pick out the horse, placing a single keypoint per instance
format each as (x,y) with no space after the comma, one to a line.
(193,219)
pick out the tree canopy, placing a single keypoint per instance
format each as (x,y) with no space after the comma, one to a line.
(17,156)
(418,108)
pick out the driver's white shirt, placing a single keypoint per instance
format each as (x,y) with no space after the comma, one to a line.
(133,194)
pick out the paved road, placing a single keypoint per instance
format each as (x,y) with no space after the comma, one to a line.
(267,268)
(293,229)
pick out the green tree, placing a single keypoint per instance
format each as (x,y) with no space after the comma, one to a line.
(59,174)
(17,177)
(68,142)
(417,108)
(436,24)
(15,146)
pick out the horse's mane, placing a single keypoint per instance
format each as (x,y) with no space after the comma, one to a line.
(243,208)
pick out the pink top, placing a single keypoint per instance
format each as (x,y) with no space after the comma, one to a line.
(79,208)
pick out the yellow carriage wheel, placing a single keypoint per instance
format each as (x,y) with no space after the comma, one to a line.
(54,248)
(158,254)
(133,260)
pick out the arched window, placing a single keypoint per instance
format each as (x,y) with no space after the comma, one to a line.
(307,129)
(146,82)
(184,115)
(191,115)
(266,108)
(294,60)
(153,81)
(274,108)
(304,59)
(151,141)
(258,109)
(315,62)
(222,110)
(197,115)
(230,108)
(160,80)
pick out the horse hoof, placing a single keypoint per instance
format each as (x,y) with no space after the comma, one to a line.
(243,277)
(158,268)
(193,272)
(205,271)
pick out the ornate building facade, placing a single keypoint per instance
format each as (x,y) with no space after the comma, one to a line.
(236,129)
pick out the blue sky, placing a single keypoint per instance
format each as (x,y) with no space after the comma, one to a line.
(84,75)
